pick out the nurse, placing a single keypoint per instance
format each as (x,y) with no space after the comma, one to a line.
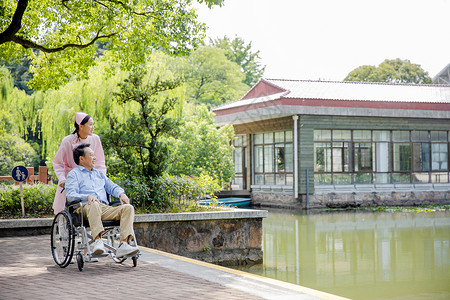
(63,161)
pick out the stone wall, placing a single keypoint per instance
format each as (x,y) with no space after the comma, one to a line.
(229,237)
(395,198)
(225,238)
(333,199)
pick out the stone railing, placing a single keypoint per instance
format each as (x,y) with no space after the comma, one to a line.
(229,237)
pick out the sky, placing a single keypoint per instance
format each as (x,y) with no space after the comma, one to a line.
(327,39)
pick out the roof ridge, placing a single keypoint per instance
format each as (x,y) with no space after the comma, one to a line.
(355,82)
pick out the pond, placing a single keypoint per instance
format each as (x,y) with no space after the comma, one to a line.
(359,254)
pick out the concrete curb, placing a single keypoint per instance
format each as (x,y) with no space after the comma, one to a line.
(236,213)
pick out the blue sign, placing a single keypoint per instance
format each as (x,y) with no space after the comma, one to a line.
(19,173)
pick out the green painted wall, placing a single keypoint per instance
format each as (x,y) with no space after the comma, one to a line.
(308,123)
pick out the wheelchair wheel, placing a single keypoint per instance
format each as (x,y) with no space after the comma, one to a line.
(62,239)
(80,261)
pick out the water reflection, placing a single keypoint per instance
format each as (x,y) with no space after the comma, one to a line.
(360,255)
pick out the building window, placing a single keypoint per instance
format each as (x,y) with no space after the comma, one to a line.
(380,156)
(240,163)
(273,157)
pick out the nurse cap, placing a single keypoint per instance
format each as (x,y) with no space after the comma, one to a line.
(79,116)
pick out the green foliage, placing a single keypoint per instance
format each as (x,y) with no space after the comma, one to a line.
(166,193)
(138,140)
(212,79)
(65,33)
(392,71)
(201,147)
(38,200)
(181,192)
(20,73)
(237,51)
(15,151)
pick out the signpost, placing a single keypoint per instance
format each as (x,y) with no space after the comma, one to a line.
(20,174)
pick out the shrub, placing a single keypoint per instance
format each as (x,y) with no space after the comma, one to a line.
(167,193)
(38,200)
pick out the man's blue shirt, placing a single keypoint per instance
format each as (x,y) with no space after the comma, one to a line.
(80,183)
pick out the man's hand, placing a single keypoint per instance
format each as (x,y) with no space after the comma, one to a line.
(92,199)
(124,199)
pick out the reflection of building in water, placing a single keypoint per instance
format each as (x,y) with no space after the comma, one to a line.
(321,143)
(345,250)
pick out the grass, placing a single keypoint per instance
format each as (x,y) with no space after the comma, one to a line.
(418,209)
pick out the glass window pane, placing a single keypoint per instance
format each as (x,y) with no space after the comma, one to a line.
(289,157)
(402,156)
(259,160)
(238,160)
(382,157)
(361,135)
(289,136)
(420,177)
(268,137)
(244,140)
(259,179)
(381,135)
(239,181)
(438,135)
(269,179)
(279,137)
(280,179)
(439,156)
(268,159)
(258,138)
(322,157)
(401,178)
(419,135)
(362,178)
(380,178)
(363,157)
(238,141)
(340,157)
(421,156)
(341,135)
(322,135)
(322,178)
(342,178)
(439,177)
(289,179)
(401,136)
(280,153)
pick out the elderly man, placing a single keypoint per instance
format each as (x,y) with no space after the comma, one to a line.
(90,186)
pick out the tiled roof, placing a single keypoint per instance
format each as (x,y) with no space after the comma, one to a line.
(359,91)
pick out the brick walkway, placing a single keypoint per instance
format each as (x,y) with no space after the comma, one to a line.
(27,271)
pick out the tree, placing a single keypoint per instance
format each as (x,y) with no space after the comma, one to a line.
(212,79)
(20,73)
(15,151)
(62,33)
(392,71)
(237,51)
(138,141)
(201,148)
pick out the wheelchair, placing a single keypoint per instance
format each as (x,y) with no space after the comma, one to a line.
(71,238)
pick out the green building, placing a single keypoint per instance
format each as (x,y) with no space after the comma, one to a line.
(337,144)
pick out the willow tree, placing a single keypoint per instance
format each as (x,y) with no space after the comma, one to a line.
(65,34)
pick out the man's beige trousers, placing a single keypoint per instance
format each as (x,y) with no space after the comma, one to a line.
(96,212)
